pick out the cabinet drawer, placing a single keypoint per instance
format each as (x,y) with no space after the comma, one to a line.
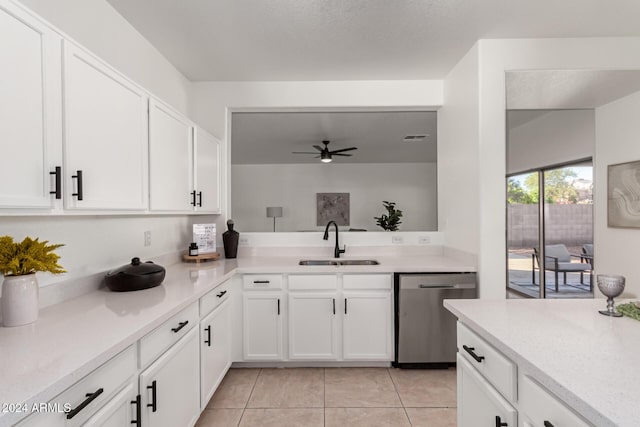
(163,337)
(84,398)
(366,281)
(497,369)
(543,408)
(262,281)
(313,281)
(214,298)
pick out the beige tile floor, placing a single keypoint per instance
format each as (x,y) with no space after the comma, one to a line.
(333,397)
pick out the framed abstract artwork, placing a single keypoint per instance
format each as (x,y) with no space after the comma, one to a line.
(332,207)
(623,195)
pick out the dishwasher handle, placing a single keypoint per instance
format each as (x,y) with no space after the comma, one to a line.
(451,286)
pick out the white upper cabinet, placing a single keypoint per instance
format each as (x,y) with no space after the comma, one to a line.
(170,160)
(208,172)
(105,136)
(30,121)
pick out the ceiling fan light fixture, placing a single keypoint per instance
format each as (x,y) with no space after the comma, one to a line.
(325,157)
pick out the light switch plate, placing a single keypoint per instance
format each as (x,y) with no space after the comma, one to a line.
(147,238)
(244,241)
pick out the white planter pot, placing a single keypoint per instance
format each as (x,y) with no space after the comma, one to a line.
(19,300)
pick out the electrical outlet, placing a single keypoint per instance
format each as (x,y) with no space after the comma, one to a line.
(147,238)
(424,240)
(397,240)
(243,241)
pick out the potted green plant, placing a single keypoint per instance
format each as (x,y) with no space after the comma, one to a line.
(19,263)
(391,220)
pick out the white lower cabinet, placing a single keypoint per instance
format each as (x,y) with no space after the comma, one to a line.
(215,350)
(170,386)
(262,325)
(312,326)
(482,405)
(367,326)
(120,411)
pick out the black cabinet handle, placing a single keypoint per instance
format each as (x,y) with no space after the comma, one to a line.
(547,424)
(58,186)
(208,340)
(278,306)
(261,281)
(180,326)
(470,350)
(193,198)
(345,306)
(138,420)
(90,398)
(221,294)
(78,177)
(154,403)
(334,305)
(499,422)
(200,198)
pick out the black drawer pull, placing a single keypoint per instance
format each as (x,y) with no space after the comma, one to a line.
(345,306)
(278,306)
(208,340)
(200,198)
(547,424)
(154,403)
(58,188)
(180,326)
(90,397)
(193,198)
(78,177)
(499,422)
(138,420)
(334,305)
(261,281)
(221,294)
(470,350)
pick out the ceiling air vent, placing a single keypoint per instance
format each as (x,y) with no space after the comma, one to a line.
(414,138)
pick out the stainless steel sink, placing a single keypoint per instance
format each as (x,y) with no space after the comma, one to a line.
(339,262)
(318,262)
(359,262)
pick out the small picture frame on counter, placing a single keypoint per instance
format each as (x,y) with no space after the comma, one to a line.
(204,236)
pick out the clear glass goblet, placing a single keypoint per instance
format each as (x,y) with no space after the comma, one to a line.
(611,286)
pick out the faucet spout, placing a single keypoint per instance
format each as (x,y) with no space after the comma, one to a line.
(336,251)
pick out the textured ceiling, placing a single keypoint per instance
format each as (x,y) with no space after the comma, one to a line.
(354,39)
(260,138)
(568,89)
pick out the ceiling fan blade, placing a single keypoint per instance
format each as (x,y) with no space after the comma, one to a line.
(303,152)
(343,149)
(317,147)
(344,155)
(317,157)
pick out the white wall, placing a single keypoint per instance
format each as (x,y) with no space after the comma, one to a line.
(617,136)
(458,156)
(495,58)
(412,186)
(558,136)
(97,26)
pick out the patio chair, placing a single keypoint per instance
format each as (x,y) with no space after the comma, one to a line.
(587,254)
(558,260)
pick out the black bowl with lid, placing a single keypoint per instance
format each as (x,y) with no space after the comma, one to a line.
(135,276)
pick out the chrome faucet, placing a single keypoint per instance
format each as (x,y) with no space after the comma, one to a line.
(336,251)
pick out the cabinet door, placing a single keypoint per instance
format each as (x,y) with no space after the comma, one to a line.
(170,387)
(312,326)
(30,120)
(262,326)
(105,136)
(367,326)
(170,160)
(479,404)
(119,411)
(215,350)
(208,172)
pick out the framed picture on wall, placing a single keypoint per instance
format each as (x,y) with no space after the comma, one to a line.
(623,195)
(332,207)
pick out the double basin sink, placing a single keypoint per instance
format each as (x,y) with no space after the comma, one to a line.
(338,262)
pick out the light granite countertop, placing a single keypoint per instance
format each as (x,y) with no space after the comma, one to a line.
(74,337)
(588,360)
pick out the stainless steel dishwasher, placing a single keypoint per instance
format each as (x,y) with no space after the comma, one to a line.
(425,332)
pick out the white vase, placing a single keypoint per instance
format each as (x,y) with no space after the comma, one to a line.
(19,300)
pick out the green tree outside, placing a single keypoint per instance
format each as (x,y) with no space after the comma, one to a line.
(558,188)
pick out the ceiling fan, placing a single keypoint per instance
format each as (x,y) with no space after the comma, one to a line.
(325,155)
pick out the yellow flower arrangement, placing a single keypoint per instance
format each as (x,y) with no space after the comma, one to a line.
(28,256)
